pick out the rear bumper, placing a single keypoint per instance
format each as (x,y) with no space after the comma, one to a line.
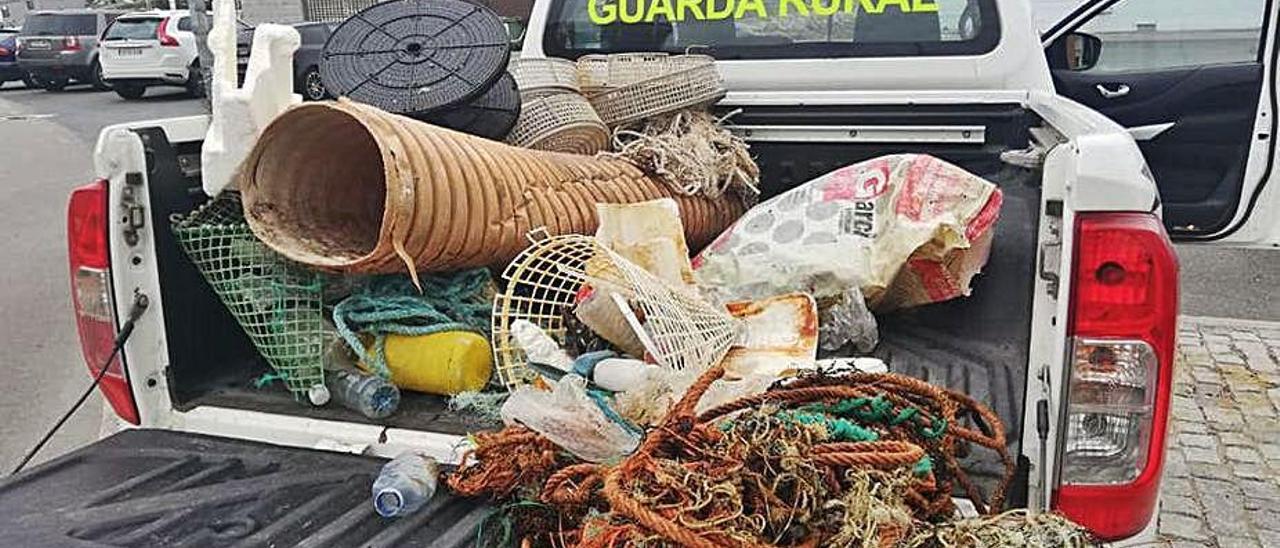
(170,68)
(75,64)
(9,70)
(153,74)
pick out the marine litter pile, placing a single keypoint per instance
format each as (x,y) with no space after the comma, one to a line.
(597,280)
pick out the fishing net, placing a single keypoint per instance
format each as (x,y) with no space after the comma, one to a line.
(691,152)
(276,302)
(681,330)
(853,459)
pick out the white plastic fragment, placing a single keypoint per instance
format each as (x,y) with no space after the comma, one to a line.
(538,346)
(240,113)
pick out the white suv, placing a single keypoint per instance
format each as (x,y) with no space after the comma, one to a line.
(153,48)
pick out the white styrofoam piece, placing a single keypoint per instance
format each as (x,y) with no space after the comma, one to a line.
(240,113)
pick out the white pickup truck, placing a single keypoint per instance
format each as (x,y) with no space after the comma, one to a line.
(1068,336)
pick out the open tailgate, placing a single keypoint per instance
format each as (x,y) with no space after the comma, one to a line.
(164,488)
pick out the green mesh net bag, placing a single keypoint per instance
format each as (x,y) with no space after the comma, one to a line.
(278,303)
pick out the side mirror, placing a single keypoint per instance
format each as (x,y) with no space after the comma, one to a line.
(515,31)
(1075,51)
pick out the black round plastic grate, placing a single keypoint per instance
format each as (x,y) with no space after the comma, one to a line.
(491,115)
(415,56)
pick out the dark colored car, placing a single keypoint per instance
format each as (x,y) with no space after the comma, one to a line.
(59,47)
(9,70)
(306,61)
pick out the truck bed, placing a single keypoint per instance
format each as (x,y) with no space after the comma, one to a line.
(978,344)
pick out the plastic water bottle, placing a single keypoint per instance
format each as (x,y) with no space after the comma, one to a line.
(405,484)
(372,396)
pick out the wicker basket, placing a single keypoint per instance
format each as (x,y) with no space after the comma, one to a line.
(630,87)
(597,73)
(536,75)
(559,122)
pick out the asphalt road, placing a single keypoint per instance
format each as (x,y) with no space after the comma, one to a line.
(46,141)
(46,144)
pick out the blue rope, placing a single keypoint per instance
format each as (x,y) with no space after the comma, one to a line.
(392,305)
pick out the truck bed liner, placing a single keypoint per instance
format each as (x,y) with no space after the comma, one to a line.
(164,488)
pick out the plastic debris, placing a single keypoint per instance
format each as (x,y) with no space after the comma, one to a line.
(844,319)
(444,363)
(678,327)
(369,395)
(241,113)
(779,337)
(648,234)
(572,419)
(906,230)
(538,347)
(405,484)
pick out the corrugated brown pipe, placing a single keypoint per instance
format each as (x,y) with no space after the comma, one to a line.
(347,187)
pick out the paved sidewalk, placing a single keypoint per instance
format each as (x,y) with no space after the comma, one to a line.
(1222,479)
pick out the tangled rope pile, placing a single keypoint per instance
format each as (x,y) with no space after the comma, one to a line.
(691,153)
(853,459)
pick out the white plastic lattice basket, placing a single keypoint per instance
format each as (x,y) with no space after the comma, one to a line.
(559,122)
(629,87)
(683,330)
(542,74)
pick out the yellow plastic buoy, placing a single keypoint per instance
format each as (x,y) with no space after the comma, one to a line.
(441,363)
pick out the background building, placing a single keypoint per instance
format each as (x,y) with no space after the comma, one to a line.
(295,11)
(13,12)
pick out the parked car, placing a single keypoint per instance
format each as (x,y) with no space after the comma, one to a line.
(153,48)
(60,47)
(9,69)
(306,60)
(1069,334)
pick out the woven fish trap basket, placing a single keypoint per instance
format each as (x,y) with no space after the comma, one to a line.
(598,73)
(545,74)
(632,87)
(559,122)
(684,329)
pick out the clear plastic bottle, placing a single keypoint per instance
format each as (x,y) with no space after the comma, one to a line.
(371,395)
(405,484)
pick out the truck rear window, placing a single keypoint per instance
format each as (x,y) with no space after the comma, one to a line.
(57,24)
(773,29)
(132,29)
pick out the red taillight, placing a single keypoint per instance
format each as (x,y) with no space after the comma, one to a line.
(90,260)
(4,51)
(162,34)
(70,43)
(1124,307)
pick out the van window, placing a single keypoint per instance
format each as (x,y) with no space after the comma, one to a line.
(58,24)
(132,28)
(774,29)
(184,24)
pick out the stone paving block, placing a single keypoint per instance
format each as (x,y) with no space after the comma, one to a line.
(1180,504)
(1200,455)
(1269,538)
(1194,423)
(1205,441)
(1183,527)
(1265,493)
(1251,471)
(1243,454)
(1235,438)
(1238,542)
(1210,470)
(1183,543)
(1270,450)
(1223,510)
(1228,358)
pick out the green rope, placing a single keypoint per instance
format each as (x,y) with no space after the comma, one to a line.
(392,305)
(923,467)
(266,379)
(880,410)
(836,428)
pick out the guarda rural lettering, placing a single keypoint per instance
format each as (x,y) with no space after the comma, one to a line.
(605,12)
